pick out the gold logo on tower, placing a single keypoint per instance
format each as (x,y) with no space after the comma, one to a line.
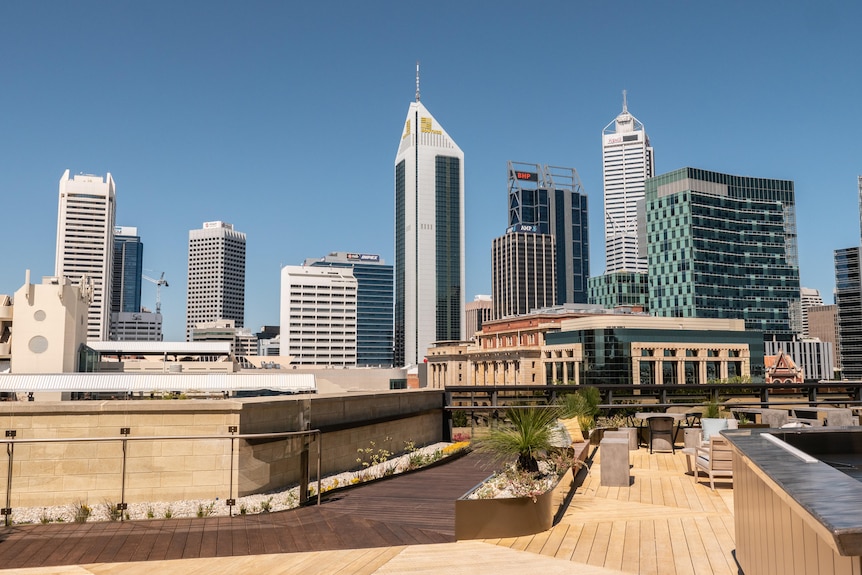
(406,130)
(426,127)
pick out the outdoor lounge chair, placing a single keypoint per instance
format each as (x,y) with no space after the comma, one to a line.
(714,460)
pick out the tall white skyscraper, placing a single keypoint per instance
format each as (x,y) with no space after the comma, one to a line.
(216,275)
(85,242)
(429,237)
(627,161)
(318,315)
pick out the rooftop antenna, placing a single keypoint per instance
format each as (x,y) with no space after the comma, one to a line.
(417,80)
(625,105)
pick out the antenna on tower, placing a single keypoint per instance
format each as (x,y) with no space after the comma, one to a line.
(417,80)
(625,105)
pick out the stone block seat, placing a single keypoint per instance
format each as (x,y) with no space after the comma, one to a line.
(615,463)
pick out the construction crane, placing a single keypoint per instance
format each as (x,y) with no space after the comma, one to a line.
(159,283)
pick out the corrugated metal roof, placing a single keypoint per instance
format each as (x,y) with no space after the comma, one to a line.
(147,382)
(169,347)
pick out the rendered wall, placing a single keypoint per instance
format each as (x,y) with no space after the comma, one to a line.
(164,470)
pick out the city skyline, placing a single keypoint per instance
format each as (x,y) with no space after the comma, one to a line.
(279,119)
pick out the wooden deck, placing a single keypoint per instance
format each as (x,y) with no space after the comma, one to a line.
(411,509)
(662,523)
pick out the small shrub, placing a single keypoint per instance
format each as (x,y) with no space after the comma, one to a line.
(111,510)
(206,510)
(266,505)
(44,517)
(150,512)
(459,418)
(82,512)
(369,456)
(243,509)
(169,512)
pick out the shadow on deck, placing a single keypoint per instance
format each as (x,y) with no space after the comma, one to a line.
(404,510)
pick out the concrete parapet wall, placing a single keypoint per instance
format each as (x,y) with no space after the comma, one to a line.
(163,470)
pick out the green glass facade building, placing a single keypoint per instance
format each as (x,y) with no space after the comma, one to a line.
(723,246)
(620,289)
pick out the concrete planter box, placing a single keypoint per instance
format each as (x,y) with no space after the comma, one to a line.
(515,516)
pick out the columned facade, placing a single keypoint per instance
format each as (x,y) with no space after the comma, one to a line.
(600,349)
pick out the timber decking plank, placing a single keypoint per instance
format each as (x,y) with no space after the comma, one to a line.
(631,547)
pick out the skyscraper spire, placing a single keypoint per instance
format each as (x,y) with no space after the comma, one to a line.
(417,80)
(625,105)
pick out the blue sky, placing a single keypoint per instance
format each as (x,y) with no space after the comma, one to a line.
(283,118)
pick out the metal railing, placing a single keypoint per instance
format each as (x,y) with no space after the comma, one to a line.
(124,438)
(614,396)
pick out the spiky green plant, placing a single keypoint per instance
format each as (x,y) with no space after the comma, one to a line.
(584,403)
(526,434)
(712,409)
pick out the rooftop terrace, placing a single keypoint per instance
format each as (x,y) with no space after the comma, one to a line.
(663,523)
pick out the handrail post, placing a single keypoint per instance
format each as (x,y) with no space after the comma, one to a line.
(10,452)
(319,458)
(121,506)
(232,429)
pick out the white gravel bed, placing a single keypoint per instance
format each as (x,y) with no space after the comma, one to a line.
(271,501)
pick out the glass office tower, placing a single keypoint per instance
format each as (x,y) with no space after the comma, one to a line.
(848,299)
(128,270)
(550,200)
(374,320)
(722,246)
(429,237)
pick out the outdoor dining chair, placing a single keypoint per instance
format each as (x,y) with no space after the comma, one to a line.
(661,434)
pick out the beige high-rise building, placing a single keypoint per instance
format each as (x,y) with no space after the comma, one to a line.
(823,324)
(216,276)
(85,242)
(808,298)
(477,312)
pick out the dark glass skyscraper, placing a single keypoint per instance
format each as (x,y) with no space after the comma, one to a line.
(550,200)
(374,327)
(127,270)
(523,272)
(722,246)
(848,299)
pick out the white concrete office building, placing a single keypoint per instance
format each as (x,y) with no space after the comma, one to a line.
(136,326)
(429,237)
(808,297)
(85,242)
(216,275)
(318,315)
(627,161)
